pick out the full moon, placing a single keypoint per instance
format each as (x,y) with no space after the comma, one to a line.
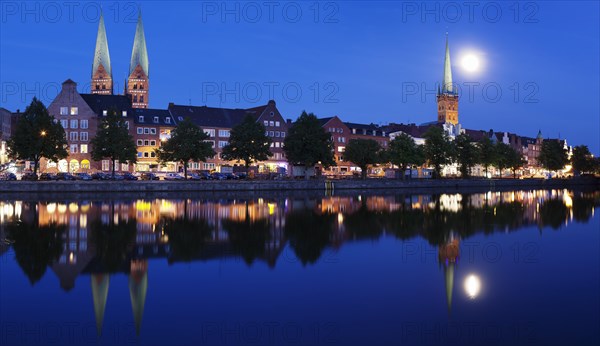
(472,286)
(470,63)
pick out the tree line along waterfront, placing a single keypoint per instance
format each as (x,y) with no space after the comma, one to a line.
(307,146)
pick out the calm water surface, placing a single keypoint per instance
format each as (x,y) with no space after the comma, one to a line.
(518,267)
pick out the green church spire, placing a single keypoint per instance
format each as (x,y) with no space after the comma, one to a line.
(447,80)
(101,54)
(139,54)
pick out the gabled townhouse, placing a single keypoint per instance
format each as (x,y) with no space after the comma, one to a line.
(80,115)
(340,135)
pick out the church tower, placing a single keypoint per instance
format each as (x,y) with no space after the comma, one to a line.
(447,98)
(102,82)
(138,81)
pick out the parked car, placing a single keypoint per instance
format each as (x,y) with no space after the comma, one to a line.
(116,177)
(64,176)
(83,176)
(100,176)
(8,176)
(218,176)
(48,176)
(173,176)
(149,176)
(129,176)
(194,176)
(28,176)
(242,175)
(231,176)
(205,176)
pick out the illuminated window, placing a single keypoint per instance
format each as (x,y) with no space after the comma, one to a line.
(83,148)
(223,133)
(223,144)
(74,111)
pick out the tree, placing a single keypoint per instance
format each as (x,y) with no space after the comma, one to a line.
(582,160)
(37,135)
(187,143)
(403,152)
(487,153)
(503,156)
(466,154)
(248,142)
(363,152)
(438,149)
(515,161)
(113,141)
(308,143)
(553,156)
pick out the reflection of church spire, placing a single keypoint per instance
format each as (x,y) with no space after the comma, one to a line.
(138,285)
(449,279)
(99,293)
(448,255)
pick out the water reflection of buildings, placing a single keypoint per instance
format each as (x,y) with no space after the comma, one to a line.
(257,229)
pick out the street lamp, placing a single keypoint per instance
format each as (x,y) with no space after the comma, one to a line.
(43,133)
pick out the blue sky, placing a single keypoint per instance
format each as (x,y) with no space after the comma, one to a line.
(363,61)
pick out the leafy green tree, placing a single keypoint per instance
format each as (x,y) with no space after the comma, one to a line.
(438,149)
(404,152)
(37,135)
(187,143)
(487,153)
(363,152)
(553,156)
(515,161)
(467,154)
(113,141)
(308,143)
(503,156)
(582,160)
(248,142)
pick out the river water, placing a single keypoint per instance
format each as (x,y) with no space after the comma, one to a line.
(513,267)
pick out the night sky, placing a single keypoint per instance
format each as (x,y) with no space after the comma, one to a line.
(365,62)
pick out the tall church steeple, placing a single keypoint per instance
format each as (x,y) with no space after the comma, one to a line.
(138,81)
(447,98)
(102,82)
(447,80)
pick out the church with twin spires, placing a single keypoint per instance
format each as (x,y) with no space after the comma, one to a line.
(137,86)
